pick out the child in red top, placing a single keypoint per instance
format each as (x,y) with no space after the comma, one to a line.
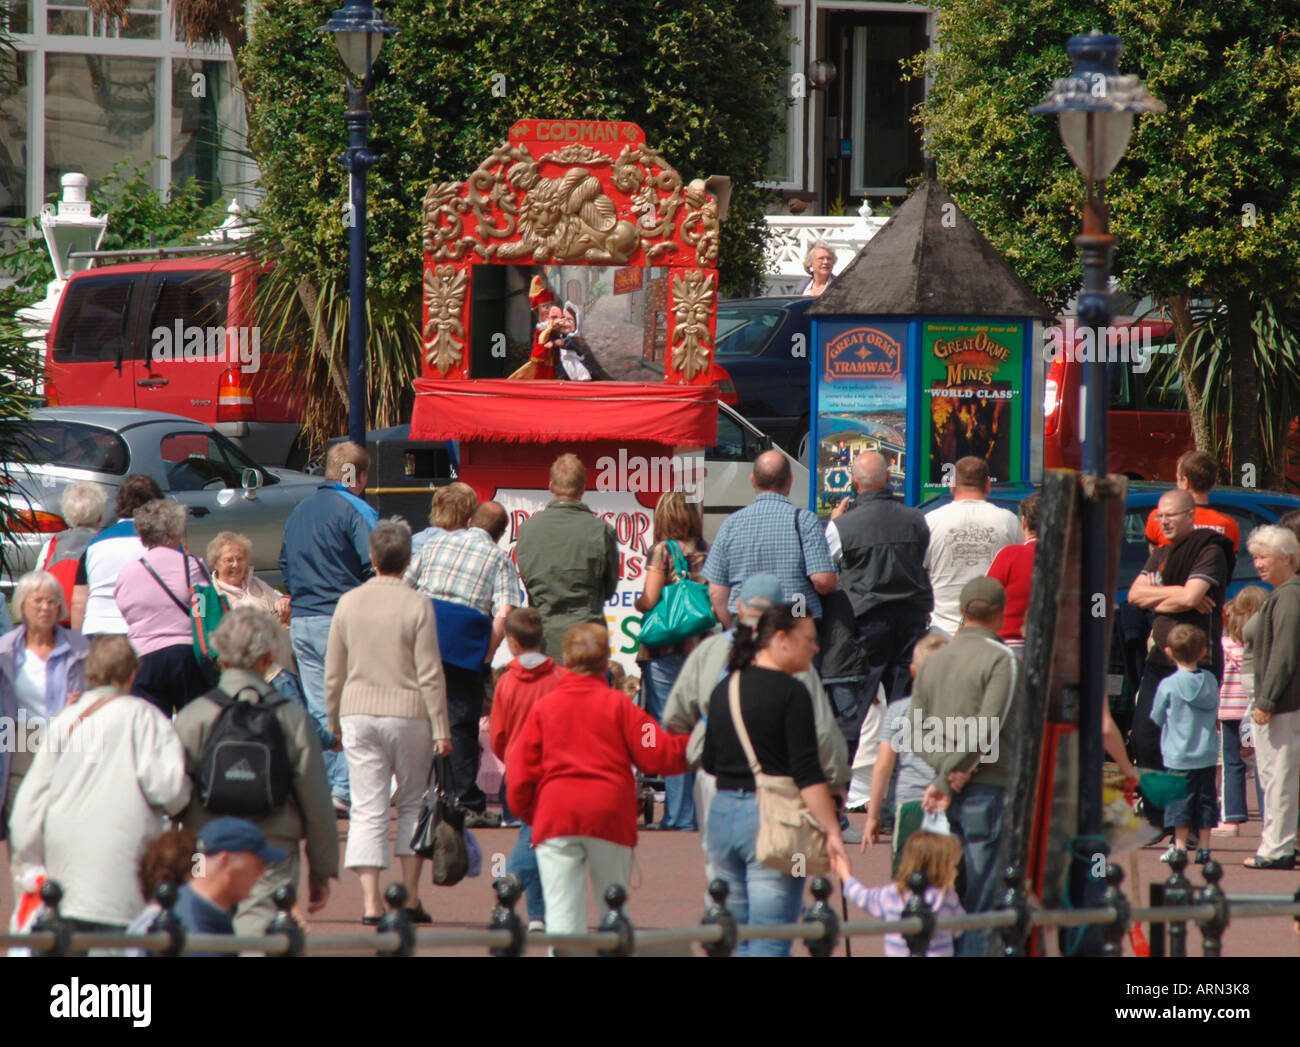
(1014,568)
(529,675)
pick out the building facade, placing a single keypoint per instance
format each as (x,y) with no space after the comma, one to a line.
(92,92)
(849,132)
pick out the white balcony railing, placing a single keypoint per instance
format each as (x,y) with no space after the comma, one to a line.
(793,235)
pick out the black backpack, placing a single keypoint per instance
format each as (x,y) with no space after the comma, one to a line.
(244,766)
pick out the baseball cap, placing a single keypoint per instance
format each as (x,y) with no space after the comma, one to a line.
(760,591)
(981,597)
(236,834)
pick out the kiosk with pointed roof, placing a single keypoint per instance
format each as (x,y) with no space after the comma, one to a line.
(924,349)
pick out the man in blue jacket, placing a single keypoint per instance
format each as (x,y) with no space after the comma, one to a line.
(326,553)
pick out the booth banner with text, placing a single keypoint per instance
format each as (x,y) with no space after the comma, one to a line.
(972,376)
(632,525)
(861,403)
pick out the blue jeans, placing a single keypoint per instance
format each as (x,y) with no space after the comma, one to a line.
(758,895)
(311,637)
(975,815)
(1234,772)
(657,678)
(523,864)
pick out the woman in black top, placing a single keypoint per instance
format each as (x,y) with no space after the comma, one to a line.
(777,711)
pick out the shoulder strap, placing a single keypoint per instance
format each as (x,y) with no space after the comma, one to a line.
(96,705)
(738,721)
(798,537)
(157,578)
(681,566)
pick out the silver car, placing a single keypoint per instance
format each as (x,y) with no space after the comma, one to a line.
(222,487)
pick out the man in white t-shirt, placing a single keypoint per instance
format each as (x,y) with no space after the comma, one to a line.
(965,535)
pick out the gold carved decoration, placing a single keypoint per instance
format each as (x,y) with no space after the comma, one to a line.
(444,335)
(569,218)
(692,306)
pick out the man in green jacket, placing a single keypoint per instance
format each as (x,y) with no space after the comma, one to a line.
(963,725)
(567,558)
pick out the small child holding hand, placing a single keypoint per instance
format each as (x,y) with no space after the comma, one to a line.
(935,854)
(1186,708)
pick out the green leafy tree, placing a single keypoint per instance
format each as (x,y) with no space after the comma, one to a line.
(698,76)
(1204,204)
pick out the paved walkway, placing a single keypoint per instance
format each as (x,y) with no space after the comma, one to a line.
(668,886)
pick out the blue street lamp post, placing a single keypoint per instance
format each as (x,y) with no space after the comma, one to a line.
(1096,107)
(359,31)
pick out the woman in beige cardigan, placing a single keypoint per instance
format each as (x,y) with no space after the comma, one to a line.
(384,690)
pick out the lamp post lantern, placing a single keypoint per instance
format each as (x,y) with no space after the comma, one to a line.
(359,31)
(1096,107)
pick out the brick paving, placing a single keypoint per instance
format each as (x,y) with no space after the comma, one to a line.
(668,890)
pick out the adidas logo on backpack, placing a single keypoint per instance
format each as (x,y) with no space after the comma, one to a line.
(241,772)
(244,766)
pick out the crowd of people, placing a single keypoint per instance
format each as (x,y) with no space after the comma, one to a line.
(827,646)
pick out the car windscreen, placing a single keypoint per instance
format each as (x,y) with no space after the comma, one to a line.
(73,445)
(746,331)
(198,460)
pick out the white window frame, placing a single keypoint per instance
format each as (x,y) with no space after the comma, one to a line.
(858,130)
(165,50)
(796,113)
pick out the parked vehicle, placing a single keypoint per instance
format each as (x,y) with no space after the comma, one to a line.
(177,335)
(223,489)
(763,346)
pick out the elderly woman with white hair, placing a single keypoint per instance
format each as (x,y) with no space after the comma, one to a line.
(153,594)
(230,559)
(819,264)
(82,508)
(42,669)
(1277,694)
(245,643)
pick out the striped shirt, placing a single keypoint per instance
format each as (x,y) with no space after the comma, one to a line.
(885,903)
(1234,699)
(466,567)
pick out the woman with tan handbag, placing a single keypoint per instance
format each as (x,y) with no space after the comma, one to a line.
(772,823)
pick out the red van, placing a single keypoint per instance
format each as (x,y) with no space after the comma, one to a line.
(1149,426)
(177,335)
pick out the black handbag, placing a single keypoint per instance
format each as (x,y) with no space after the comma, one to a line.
(440,833)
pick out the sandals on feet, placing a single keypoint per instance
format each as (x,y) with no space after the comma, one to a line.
(1256,862)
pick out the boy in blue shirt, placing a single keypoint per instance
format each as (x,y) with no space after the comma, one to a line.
(1186,709)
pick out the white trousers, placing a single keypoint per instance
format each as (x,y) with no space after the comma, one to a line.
(564,863)
(378,749)
(1277,754)
(864,760)
(706,788)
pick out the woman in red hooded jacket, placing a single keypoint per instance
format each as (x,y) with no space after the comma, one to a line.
(569,776)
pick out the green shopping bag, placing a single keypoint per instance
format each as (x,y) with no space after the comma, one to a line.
(683,609)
